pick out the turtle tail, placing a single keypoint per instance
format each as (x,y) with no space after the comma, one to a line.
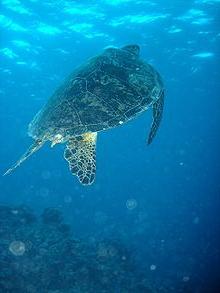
(32,149)
(157,116)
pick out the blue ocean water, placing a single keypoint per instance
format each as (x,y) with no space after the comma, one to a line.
(161,202)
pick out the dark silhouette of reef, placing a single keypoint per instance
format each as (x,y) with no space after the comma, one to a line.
(41,255)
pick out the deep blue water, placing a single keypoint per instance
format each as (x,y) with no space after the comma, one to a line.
(172,224)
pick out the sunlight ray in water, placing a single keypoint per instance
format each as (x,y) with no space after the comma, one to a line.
(204,55)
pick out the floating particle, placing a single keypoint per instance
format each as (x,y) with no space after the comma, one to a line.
(17,248)
(46,174)
(131,204)
(196,220)
(194,69)
(186,279)
(43,192)
(153,267)
(100,218)
(102,251)
(112,251)
(68,199)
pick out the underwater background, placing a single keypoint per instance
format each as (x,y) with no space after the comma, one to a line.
(150,222)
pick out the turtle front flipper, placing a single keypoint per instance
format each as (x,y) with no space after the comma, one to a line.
(157,116)
(81,156)
(32,149)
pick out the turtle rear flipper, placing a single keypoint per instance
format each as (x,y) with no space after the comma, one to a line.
(157,116)
(81,156)
(32,149)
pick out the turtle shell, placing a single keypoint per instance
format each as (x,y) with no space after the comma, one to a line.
(107,91)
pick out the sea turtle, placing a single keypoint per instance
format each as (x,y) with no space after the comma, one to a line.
(109,90)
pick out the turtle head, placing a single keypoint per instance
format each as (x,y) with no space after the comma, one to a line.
(134,49)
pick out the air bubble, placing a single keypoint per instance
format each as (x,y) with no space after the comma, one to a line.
(186,279)
(17,248)
(46,175)
(196,220)
(68,199)
(153,267)
(131,204)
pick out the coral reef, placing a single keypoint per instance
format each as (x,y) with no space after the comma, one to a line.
(41,255)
